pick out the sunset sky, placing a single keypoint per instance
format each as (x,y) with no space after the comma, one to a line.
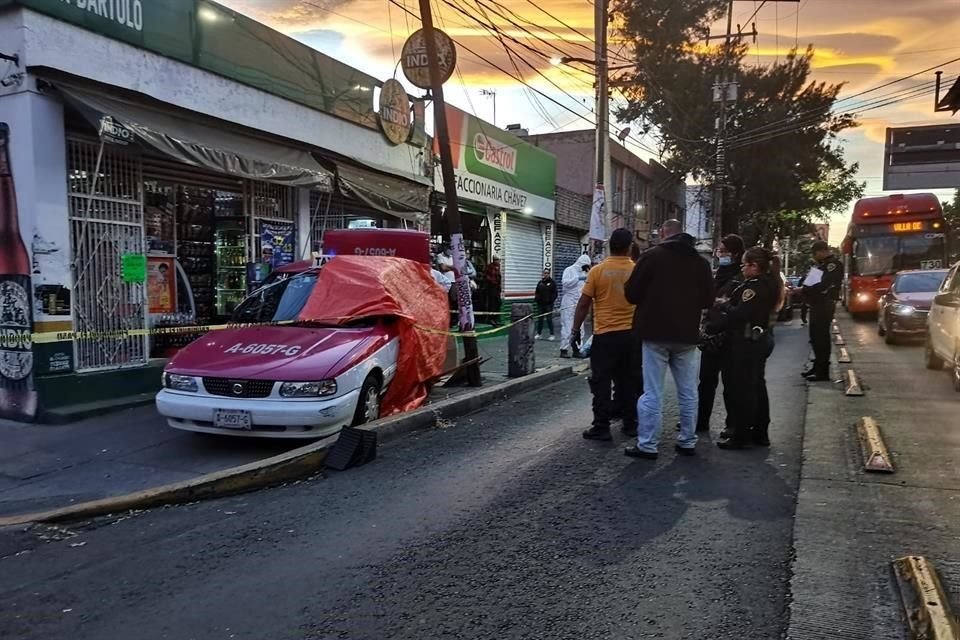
(863,43)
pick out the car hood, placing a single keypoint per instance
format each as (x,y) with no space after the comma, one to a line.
(920,300)
(284,353)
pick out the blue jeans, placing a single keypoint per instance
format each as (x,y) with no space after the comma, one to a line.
(684,363)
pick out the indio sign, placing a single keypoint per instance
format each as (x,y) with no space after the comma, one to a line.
(395,112)
(126,13)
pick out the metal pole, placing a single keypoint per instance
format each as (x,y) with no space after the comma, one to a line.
(724,84)
(603,124)
(457,250)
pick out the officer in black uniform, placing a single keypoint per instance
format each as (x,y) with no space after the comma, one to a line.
(822,299)
(746,319)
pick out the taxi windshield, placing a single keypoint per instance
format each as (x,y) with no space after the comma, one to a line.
(278,302)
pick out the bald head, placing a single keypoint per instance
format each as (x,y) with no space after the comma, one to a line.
(670,228)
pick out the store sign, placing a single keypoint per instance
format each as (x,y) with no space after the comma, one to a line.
(209,36)
(546,229)
(395,112)
(497,222)
(115,133)
(276,243)
(496,168)
(416,62)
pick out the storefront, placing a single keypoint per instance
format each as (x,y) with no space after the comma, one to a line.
(163,166)
(506,191)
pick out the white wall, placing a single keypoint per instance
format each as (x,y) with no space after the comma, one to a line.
(58,45)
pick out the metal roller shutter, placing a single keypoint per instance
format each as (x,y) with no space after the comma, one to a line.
(567,249)
(524,259)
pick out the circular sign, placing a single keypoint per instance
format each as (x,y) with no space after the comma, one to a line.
(416,62)
(394,112)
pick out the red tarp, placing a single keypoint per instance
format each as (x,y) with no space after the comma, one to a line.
(353,287)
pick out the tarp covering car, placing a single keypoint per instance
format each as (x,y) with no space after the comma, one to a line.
(353,287)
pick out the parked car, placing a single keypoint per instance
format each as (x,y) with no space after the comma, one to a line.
(943,327)
(286,371)
(903,309)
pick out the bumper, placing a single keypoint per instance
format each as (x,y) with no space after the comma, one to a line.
(271,418)
(909,325)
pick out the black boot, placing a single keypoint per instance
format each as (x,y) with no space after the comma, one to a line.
(597,433)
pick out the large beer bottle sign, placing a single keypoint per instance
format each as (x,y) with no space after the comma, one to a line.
(17,398)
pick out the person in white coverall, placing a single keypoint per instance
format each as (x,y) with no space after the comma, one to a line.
(574,277)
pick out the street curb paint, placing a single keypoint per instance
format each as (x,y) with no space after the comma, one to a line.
(836,328)
(924,601)
(854,387)
(291,465)
(843,356)
(876,456)
(838,340)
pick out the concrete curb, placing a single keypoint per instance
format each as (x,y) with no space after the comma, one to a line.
(295,464)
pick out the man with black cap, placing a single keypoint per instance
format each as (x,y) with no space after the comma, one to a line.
(614,355)
(821,290)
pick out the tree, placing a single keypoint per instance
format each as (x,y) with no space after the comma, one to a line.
(951,212)
(784,163)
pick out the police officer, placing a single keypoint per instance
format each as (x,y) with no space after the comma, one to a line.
(746,318)
(822,299)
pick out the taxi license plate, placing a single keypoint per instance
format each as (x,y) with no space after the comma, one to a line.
(227,419)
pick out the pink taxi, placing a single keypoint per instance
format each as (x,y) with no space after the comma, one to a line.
(294,379)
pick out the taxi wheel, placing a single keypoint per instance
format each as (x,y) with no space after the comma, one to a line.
(368,405)
(956,371)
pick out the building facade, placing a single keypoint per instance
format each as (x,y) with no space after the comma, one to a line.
(166,155)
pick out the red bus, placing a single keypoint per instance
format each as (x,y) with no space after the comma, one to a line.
(886,235)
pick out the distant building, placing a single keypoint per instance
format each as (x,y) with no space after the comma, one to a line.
(699,217)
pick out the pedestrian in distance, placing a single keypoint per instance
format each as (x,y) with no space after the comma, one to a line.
(671,285)
(714,347)
(545,297)
(613,354)
(574,278)
(821,291)
(746,320)
(494,280)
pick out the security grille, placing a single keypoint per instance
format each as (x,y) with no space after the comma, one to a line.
(106,222)
(269,203)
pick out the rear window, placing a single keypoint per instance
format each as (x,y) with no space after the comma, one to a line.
(919,282)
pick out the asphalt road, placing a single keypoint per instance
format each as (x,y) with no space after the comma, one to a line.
(851,525)
(505,524)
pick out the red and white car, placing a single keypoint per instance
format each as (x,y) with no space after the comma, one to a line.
(298,379)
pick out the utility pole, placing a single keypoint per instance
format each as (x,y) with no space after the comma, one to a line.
(603,125)
(723,84)
(457,250)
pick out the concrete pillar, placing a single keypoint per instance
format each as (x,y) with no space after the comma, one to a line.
(520,344)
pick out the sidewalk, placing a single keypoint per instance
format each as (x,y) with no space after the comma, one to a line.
(48,466)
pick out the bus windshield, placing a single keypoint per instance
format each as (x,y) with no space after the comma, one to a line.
(879,255)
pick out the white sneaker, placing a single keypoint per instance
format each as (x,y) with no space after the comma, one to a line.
(537,337)
(551,339)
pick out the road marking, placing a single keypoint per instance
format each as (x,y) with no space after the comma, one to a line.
(843,356)
(924,600)
(853,384)
(836,328)
(838,339)
(876,456)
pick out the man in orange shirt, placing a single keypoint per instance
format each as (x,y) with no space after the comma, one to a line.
(613,357)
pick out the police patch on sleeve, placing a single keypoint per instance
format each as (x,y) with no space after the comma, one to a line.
(832,266)
(748,295)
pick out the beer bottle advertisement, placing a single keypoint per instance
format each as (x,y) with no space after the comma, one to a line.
(18,399)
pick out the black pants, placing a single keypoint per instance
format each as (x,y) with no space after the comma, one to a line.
(761,424)
(821,318)
(615,360)
(712,366)
(544,315)
(746,369)
(803,312)
(493,305)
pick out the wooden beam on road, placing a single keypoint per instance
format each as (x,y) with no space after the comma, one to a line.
(843,356)
(924,600)
(853,384)
(876,456)
(838,340)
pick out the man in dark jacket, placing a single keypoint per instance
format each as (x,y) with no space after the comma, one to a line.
(671,286)
(545,298)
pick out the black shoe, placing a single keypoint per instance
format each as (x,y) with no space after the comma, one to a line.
(731,444)
(806,372)
(678,426)
(725,434)
(629,431)
(596,433)
(761,441)
(814,376)
(685,451)
(633,452)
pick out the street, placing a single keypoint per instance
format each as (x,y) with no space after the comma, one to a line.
(504,524)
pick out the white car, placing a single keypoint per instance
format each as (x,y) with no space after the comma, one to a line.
(943,327)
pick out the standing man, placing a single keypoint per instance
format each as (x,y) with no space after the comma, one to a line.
(670,286)
(612,357)
(545,298)
(822,297)
(574,277)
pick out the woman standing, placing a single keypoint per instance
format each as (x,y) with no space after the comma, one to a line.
(778,285)
(746,320)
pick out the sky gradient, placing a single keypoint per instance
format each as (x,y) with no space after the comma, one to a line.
(862,43)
